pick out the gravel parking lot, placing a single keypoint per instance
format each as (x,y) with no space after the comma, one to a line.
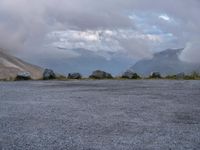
(100,115)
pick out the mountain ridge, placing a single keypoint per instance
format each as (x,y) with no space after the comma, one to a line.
(166,62)
(10,66)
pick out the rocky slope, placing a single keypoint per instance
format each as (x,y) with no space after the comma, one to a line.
(166,62)
(10,66)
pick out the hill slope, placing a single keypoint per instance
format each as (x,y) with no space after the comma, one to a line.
(166,62)
(10,66)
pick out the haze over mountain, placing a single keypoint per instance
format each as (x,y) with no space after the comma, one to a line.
(86,63)
(10,66)
(112,33)
(167,62)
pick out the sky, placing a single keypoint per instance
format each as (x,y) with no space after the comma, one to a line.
(84,35)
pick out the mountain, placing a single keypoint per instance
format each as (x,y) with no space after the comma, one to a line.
(87,62)
(10,66)
(166,62)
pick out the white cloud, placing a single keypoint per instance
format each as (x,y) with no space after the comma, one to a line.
(92,40)
(105,42)
(192,50)
(165,17)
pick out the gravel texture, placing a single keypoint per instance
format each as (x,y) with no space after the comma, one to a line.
(100,115)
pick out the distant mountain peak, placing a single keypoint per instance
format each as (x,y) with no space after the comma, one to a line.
(169,53)
(166,62)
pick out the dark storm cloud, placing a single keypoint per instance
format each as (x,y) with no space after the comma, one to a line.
(25,27)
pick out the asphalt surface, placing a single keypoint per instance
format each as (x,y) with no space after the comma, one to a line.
(100,115)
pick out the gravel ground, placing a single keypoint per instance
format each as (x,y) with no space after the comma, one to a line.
(100,115)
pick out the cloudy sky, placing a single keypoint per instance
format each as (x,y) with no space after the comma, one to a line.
(83,35)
